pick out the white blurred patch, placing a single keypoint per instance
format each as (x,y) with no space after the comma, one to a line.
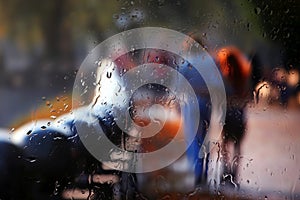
(109,87)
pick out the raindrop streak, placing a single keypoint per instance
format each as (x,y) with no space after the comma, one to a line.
(31,159)
(231,179)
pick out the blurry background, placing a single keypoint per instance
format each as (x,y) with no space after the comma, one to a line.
(42,44)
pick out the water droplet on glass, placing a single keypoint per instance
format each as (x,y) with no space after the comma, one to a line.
(248,26)
(55,192)
(57,138)
(116,16)
(31,159)
(264,34)
(257,10)
(48,103)
(287,35)
(287,11)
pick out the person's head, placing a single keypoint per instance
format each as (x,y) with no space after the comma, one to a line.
(235,68)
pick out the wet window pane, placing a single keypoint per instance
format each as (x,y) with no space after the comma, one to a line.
(151,99)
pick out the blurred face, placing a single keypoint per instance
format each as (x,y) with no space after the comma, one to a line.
(234,66)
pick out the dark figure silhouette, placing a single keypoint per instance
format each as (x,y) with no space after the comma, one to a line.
(236,71)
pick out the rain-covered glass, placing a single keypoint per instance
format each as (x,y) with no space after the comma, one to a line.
(154,99)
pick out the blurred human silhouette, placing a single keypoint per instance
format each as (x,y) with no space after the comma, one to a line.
(55,160)
(236,70)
